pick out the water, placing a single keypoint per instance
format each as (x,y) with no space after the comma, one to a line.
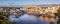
(27,19)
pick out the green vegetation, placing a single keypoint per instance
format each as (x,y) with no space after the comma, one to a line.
(58,14)
(3,16)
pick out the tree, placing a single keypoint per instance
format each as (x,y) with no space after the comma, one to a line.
(58,14)
(3,16)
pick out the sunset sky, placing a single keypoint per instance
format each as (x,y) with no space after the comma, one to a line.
(27,2)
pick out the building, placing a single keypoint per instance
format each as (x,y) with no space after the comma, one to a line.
(1,9)
(52,9)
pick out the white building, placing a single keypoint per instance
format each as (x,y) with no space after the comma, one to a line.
(1,9)
(51,9)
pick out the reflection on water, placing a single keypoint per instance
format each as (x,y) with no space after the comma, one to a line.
(26,19)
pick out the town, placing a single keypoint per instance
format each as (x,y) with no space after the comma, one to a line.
(47,13)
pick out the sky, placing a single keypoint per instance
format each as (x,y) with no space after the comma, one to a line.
(27,2)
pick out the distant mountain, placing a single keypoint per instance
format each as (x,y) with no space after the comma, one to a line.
(46,5)
(41,5)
